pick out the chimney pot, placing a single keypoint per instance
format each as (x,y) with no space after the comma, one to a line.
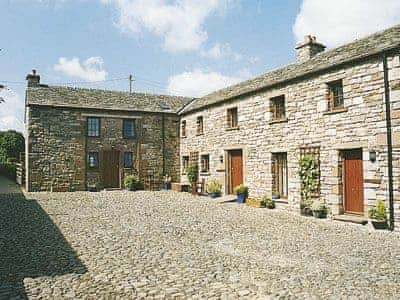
(308,49)
(33,79)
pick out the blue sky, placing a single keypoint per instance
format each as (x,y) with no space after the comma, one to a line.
(185,47)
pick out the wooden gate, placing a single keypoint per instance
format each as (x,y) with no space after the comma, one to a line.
(235,169)
(110,169)
(353,182)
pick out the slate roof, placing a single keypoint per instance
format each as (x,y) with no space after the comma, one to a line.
(362,48)
(103,99)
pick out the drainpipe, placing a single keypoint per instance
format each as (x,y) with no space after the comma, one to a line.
(163,143)
(389,140)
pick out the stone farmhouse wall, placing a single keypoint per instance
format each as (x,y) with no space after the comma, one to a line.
(58,146)
(361,125)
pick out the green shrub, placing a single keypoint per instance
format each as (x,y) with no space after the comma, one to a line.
(11,144)
(318,206)
(309,178)
(192,173)
(379,212)
(214,186)
(241,189)
(8,170)
(131,180)
(267,202)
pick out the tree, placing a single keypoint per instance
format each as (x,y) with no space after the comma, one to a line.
(11,144)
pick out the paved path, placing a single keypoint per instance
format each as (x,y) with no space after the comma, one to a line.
(8,186)
(156,245)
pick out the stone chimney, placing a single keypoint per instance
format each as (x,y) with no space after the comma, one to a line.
(33,79)
(308,49)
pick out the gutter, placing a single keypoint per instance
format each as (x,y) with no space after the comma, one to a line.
(389,139)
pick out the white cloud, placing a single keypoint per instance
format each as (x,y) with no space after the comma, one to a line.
(91,69)
(219,51)
(335,22)
(198,83)
(11,111)
(179,22)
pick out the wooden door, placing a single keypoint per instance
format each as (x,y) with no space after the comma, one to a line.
(353,182)
(110,169)
(235,169)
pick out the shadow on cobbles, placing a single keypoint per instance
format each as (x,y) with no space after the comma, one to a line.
(31,245)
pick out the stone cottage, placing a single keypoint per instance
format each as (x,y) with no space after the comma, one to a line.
(341,107)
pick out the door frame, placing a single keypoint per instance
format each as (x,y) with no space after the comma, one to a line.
(118,166)
(344,154)
(228,181)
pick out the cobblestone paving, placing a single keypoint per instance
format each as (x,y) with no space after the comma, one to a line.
(157,245)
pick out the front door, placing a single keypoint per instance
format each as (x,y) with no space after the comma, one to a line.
(235,169)
(110,169)
(353,182)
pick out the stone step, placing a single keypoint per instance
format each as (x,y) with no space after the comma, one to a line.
(351,218)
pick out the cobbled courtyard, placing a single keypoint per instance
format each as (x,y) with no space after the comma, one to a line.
(156,245)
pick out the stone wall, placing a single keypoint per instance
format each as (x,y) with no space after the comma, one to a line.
(57,146)
(360,125)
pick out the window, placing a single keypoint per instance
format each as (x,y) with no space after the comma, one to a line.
(128,128)
(93,159)
(128,160)
(93,126)
(185,163)
(232,117)
(278,108)
(335,96)
(279,174)
(205,163)
(183,128)
(200,125)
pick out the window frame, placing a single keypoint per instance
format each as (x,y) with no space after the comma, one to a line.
(124,121)
(95,155)
(183,128)
(185,163)
(280,176)
(89,129)
(131,160)
(204,163)
(335,86)
(278,108)
(199,125)
(232,118)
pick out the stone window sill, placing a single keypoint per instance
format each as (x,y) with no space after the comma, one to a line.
(199,134)
(335,111)
(278,121)
(183,136)
(207,173)
(232,128)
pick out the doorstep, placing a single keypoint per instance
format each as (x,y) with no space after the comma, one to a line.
(351,218)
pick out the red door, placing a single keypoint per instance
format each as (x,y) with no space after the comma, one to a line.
(236,169)
(353,182)
(110,169)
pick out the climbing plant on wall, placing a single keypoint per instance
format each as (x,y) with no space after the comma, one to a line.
(309,178)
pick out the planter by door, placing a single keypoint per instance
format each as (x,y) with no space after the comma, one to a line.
(241,198)
(235,169)
(353,181)
(379,224)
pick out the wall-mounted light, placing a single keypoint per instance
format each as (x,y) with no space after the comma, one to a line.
(372,156)
(221,159)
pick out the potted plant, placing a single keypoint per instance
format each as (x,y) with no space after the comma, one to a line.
(94,187)
(268,202)
(319,209)
(192,173)
(378,215)
(214,188)
(275,195)
(167,182)
(241,192)
(131,182)
(309,179)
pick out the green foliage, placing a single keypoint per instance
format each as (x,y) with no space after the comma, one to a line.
(267,202)
(11,144)
(131,180)
(241,189)
(318,206)
(214,186)
(8,169)
(192,173)
(309,178)
(379,212)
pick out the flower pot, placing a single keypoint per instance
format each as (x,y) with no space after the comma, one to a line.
(92,189)
(131,187)
(320,214)
(214,195)
(166,186)
(270,206)
(305,211)
(241,198)
(275,196)
(380,225)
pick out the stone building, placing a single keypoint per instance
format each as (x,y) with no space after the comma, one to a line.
(341,107)
(82,137)
(329,104)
